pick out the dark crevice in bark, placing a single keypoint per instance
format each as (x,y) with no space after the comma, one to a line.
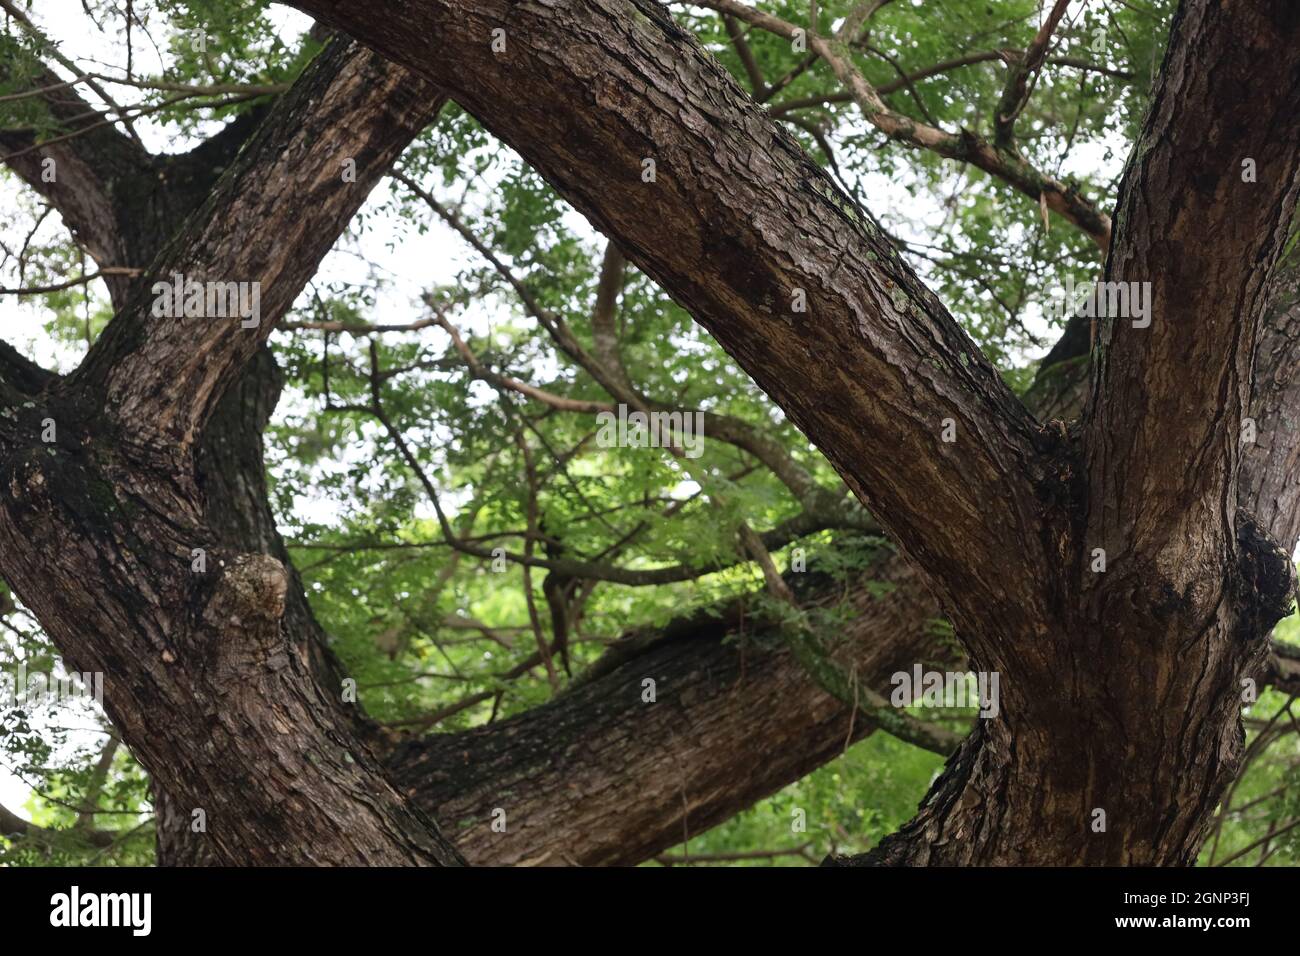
(1266,580)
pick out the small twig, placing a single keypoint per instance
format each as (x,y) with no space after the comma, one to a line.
(80,280)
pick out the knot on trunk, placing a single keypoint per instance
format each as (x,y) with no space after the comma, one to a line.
(1265,577)
(250,594)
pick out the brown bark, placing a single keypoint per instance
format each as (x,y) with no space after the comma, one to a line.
(600,777)
(869,371)
(1269,480)
(170,378)
(203,684)
(1131,703)
(460,778)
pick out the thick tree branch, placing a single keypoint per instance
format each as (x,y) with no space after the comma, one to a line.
(1196,240)
(804,291)
(729,725)
(171,371)
(1269,480)
(12,825)
(177,619)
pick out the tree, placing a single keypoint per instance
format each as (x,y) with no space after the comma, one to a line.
(143,541)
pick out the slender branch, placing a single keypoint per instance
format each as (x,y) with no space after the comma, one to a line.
(70,283)
(1005,54)
(752,69)
(17,14)
(734,431)
(667,859)
(12,825)
(1016,93)
(534,619)
(964,146)
(357,328)
(1271,835)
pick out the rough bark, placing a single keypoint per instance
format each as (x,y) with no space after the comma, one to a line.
(167,373)
(600,777)
(210,694)
(1269,482)
(461,778)
(126,213)
(1131,704)
(125,514)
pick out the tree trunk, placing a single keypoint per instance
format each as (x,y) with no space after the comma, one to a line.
(103,533)
(1123,713)
(1121,689)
